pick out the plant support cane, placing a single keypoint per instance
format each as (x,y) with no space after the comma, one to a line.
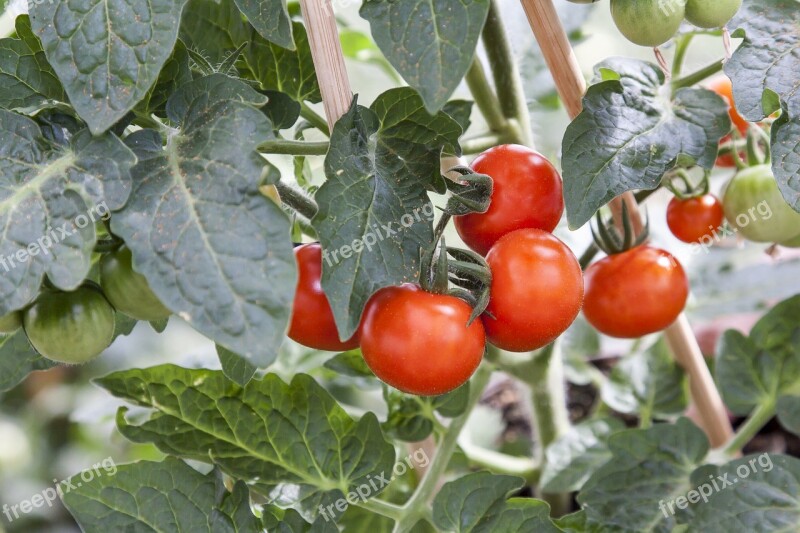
(571,86)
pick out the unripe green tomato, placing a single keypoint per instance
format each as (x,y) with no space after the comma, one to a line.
(648,22)
(792,243)
(127,290)
(10,322)
(755,207)
(711,13)
(70,327)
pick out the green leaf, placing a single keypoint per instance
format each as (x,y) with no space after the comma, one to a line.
(577,522)
(648,465)
(213,28)
(290,521)
(278,69)
(519,514)
(374,213)
(412,418)
(764,74)
(26,78)
(292,442)
(580,343)
(270,18)
(630,133)
(756,493)
(281,110)
(789,413)
(201,232)
(153,496)
(175,74)
(431,44)
(576,455)
(757,370)
(235,367)
(106,54)
(650,383)
(18,359)
(350,364)
(49,198)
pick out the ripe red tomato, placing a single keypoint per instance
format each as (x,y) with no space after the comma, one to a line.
(419,342)
(693,219)
(635,293)
(527,193)
(537,290)
(312,321)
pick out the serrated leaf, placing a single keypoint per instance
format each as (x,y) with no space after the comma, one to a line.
(26,78)
(292,442)
(631,132)
(271,20)
(350,364)
(519,514)
(789,413)
(766,65)
(278,69)
(213,248)
(235,367)
(107,54)
(213,28)
(756,370)
(157,496)
(176,73)
(290,521)
(648,465)
(50,197)
(431,44)
(379,163)
(756,493)
(575,456)
(18,359)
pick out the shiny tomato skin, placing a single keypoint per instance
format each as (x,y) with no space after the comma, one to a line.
(528,193)
(693,219)
(312,323)
(419,342)
(635,293)
(536,293)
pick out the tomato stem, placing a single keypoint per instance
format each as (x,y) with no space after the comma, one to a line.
(696,77)
(297,200)
(754,423)
(481,143)
(285,146)
(485,98)
(314,118)
(681,48)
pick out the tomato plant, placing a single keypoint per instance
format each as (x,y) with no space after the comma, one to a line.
(127,290)
(693,219)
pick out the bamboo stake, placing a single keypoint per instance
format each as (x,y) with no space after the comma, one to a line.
(571,85)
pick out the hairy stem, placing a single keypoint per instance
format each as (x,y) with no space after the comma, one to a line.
(297,200)
(314,118)
(698,76)
(285,146)
(485,98)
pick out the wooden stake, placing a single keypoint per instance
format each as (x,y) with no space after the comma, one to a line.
(571,85)
(326,51)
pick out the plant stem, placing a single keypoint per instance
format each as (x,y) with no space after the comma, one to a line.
(681,47)
(697,77)
(501,463)
(383,508)
(754,423)
(314,118)
(285,146)
(484,97)
(297,200)
(476,145)
(507,80)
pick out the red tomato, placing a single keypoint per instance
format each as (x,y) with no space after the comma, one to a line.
(527,193)
(635,293)
(312,321)
(723,87)
(419,342)
(537,290)
(693,219)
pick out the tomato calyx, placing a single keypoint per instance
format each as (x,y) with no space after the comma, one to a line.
(679,183)
(472,193)
(611,241)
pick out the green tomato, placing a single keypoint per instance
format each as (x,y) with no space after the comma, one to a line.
(792,243)
(711,13)
(127,290)
(648,22)
(755,207)
(70,327)
(10,322)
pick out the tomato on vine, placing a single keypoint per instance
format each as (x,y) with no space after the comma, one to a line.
(420,342)
(693,219)
(647,22)
(707,14)
(127,290)
(536,290)
(70,327)
(312,323)
(527,193)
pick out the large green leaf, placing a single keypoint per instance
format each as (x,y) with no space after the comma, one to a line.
(291,442)
(18,359)
(107,53)
(157,496)
(758,370)
(788,410)
(175,74)
(374,213)
(235,367)
(764,74)
(213,248)
(431,44)
(213,28)
(49,197)
(270,18)
(631,132)
(279,520)
(26,78)
(648,466)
